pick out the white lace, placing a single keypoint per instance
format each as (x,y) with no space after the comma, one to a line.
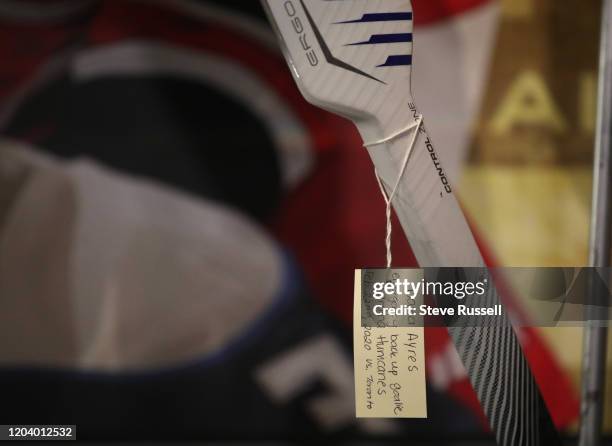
(389,198)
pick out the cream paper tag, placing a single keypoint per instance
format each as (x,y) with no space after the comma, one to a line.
(389,360)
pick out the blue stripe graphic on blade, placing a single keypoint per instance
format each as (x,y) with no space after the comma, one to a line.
(381,17)
(396,61)
(386,38)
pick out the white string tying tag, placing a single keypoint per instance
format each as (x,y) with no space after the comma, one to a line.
(389,198)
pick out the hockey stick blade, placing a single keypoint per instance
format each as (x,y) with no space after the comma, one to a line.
(353,58)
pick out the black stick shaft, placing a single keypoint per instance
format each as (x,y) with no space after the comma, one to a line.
(595,337)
